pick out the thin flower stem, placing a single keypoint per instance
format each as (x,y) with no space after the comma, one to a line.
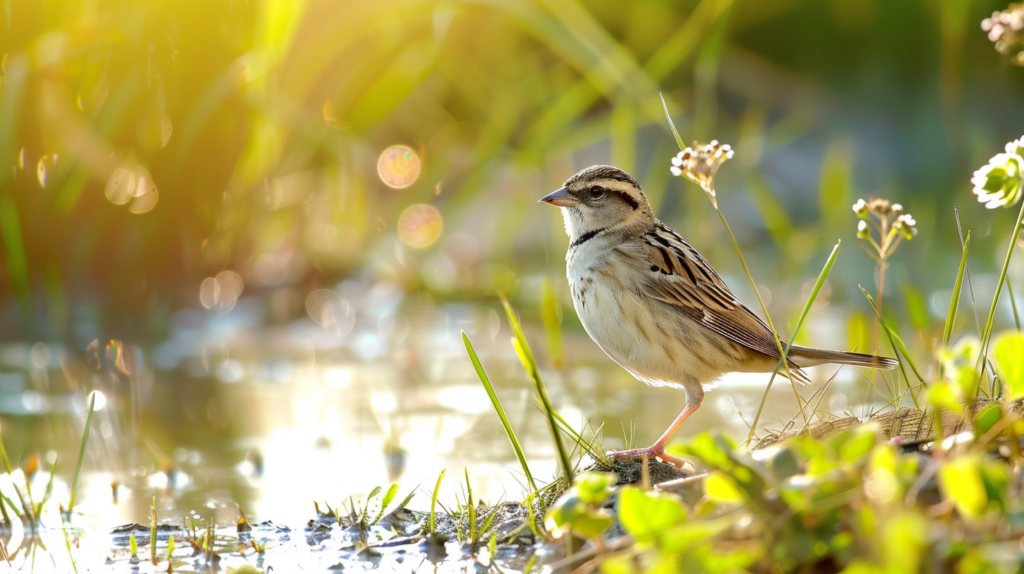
(987,333)
(764,309)
(882,266)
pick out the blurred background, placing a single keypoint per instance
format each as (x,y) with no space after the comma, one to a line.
(257,227)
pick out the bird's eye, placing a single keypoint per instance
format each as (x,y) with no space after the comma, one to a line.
(597,192)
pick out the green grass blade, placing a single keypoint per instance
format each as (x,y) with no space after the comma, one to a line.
(81,456)
(671,125)
(49,487)
(947,331)
(471,507)
(388,497)
(894,339)
(596,453)
(522,348)
(822,277)
(433,500)
(501,412)
(3,510)
(405,501)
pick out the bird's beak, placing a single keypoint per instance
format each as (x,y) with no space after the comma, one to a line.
(560,198)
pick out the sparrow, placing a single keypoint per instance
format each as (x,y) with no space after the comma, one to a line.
(656,307)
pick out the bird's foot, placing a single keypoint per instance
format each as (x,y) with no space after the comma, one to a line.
(649,453)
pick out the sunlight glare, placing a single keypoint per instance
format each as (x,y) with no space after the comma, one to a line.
(398,166)
(420,225)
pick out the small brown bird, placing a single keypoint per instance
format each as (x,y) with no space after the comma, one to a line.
(655,306)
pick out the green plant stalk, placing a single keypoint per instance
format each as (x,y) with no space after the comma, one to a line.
(21,495)
(526,357)
(471,506)
(3,510)
(1013,303)
(81,458)
(501,411)
(901,349)
(783,352)
(67,544)
(49,488)
(433,501)
(746,270)
(947,331)
(987,333)
(822,277)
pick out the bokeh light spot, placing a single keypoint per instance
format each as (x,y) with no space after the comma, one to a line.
(328,309)
(120,186)
(420,225)
(330,116)
(146,201)
(398,166)
(41,172)
(221,293)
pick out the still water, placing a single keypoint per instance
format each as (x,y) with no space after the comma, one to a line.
(371,386)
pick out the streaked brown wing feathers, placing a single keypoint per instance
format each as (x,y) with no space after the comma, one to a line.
(678,275)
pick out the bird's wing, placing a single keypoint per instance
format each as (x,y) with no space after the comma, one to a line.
(675,273)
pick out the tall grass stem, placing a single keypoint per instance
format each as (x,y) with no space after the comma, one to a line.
(987,333)
(947,331)
(501,411)
(822,277)
(526,356)
(81,455)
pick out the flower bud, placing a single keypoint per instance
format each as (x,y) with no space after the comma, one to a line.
(862,230)
(861,208)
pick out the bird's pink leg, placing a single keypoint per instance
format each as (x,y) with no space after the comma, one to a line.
(657,450)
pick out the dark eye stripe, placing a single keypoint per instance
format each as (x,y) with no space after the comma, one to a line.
(626,198)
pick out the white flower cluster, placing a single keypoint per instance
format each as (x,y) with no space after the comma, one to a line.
(699,163)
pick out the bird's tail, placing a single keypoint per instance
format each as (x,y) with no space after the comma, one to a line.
(809,357)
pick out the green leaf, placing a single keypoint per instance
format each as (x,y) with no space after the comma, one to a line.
(703,447)
(595,487)
(646,514)
(682,538)
(721,488)
(942,394)
(961,481)
(1009,354)
(852,444)
(987,419)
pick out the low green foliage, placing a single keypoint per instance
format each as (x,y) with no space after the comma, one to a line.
(580,508)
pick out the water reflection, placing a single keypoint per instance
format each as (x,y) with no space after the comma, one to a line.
(363,385)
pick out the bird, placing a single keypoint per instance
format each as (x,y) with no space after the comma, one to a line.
(656,307)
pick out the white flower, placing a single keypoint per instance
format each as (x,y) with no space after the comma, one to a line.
(999,182)
(862,229)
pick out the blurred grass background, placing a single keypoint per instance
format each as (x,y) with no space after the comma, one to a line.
(258,124)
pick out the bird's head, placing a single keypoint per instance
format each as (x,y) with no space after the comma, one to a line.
(597,198)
